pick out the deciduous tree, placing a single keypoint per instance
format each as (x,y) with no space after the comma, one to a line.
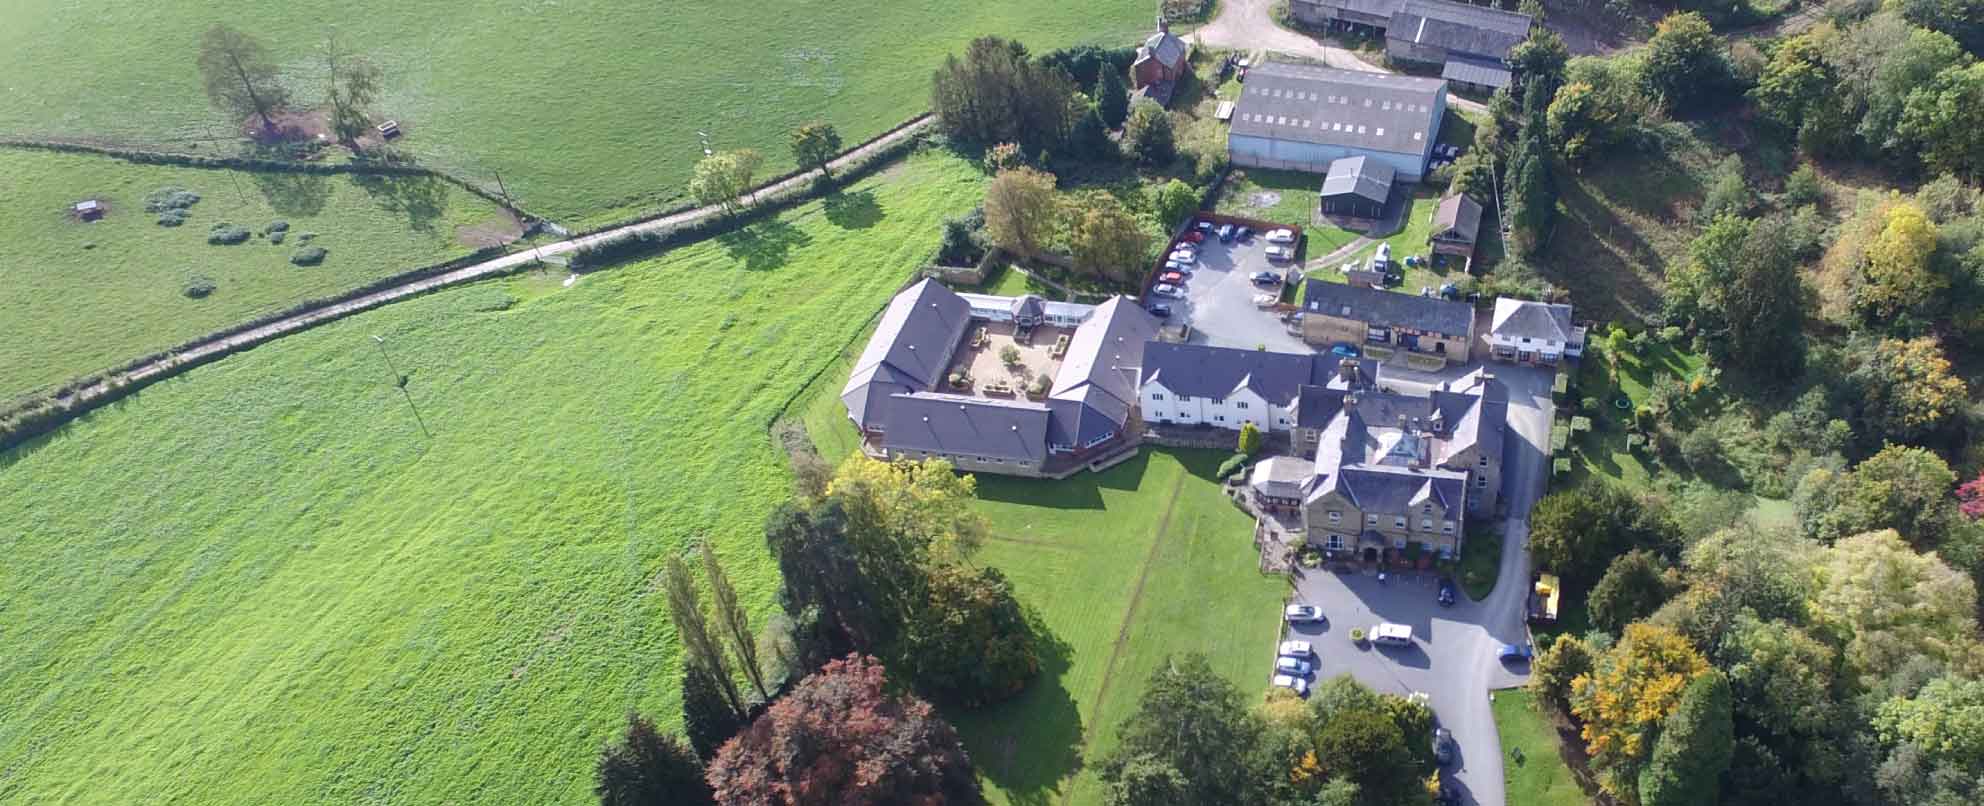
(840,737)
(240,77)
(1685,61)
(1694,747)
(1631,690)
(733,622)
(1897,277)
(1191,719)
(1172,202)
(722,179)
(1885,604)
(1634,586)
(1147,135)
(1901,488)
(1576,532)
(814,146)
(1906,389)
(1946,119)
(1107,241)
(971,642)
(1021,211)
(352,85)
(649,768)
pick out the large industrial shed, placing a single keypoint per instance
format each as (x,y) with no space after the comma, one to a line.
(1302,118)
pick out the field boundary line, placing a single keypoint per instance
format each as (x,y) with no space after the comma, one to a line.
(1129,615)
(36,415)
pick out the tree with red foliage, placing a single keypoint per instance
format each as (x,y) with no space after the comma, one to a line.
(840,738)
(1971,497)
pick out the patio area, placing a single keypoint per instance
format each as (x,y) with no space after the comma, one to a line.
(981,359)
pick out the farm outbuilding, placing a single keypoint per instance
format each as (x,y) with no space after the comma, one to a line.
(1357,188)
(1302,118)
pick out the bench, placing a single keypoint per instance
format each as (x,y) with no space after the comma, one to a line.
(1060,346)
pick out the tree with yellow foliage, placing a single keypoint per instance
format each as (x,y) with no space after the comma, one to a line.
(1897,277)
(1629,693)
(927,504)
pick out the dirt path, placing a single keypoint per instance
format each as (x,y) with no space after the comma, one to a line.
(1249,25)
(89,397)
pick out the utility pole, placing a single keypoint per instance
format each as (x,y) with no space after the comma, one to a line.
(229,171)
(400,381)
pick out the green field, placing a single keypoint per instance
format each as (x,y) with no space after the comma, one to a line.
(1126,566)
(1531,760)
(83,297)
(589,109)
(261,583)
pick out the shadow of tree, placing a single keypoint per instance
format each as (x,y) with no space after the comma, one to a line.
(765,245)
(1031,744)
(296,194)
(857,210)
(422,199)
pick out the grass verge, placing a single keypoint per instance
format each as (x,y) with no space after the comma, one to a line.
(1534,768)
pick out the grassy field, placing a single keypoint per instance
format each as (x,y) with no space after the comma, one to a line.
(1534,769)
(261,583)
(589,109)
(1126,566)
(87,296)
(1603,452)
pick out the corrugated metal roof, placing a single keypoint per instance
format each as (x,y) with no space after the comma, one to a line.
(1477,71)
(1361,176)
(1324,105)
(1459,27)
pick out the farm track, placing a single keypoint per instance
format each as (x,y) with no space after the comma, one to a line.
(86,398)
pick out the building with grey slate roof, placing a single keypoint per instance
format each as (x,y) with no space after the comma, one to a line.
(1456,226)
(1383,470)
(1540,333)
(1334,313)
(1356,187)
(1301,117)
(902,397)
(1471,42)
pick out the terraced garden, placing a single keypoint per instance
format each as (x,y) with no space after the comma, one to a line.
(589,109)
(266,582)
(84,297)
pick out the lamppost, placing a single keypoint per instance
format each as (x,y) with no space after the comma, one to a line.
(400,381)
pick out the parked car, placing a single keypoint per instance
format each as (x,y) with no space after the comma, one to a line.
(1302,614)
(1167,290)
(1183,256)
(1226,233)
(1281,253)
(1297,649)
(1264,278)
(1514,652)
(1343,351)
(1244,234)
(1443,746)
(1195,236)
(1385,632)
(1202,226)
(1446,593)
(1172,277)
(1173,265)
(1281,236)
(1294,666)
(1159,310)
(1265,300)
(1296,684)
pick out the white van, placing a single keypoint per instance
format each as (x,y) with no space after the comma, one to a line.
(1389,633)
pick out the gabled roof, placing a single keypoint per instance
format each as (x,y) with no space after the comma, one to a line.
(911,347)
(1360,176)
(1281,476)
(1459,215)
(1097,384)
(1387,308)
(966,426)
(1459,27)
(1324,105)
(1315,406)
(1198,370)
(1515,318)
(1165,47)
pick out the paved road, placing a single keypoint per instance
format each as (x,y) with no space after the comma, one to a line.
(1248,25)
(173,363)
(1453,658)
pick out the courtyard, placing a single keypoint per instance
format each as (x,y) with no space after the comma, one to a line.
(981,359)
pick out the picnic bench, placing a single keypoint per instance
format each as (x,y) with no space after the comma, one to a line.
(1060,346)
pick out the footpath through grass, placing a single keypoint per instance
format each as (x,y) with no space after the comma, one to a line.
(83,297)
(589,109)
(1534,770)
(261,583)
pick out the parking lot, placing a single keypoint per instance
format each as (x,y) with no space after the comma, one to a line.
(1219,298)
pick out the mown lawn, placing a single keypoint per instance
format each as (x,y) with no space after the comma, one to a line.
(261,583)
(83,297)
(589,109)
(1126,566)
(1603,452)
(1535,772)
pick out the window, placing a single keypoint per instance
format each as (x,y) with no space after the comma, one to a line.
(1484,460)
(1158,416)
(1481,481)
(1219,418)
(1240,404)
(1428,509)
(1398,543)
(1425,524)
(1447,527)
(1370,520)
(1398,522)
(1219,401)
(1157,395)
(1335,516)
(1525,339)
(1334,543)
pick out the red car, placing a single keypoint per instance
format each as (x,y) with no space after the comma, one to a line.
(1195,236)
(1171,277)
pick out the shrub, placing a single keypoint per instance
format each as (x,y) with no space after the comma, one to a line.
(224,233)
(276,226)
(305,237)
(1233,464)
(308,256)
(1803,186)
(171,218)
(277,236)
(199,286)
(1010,355)
(1357,635)
(170,198)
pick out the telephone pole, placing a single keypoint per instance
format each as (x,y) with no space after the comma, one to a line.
(400,381)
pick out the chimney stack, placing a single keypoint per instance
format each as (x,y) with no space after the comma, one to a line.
(1347,370)
(1163,25)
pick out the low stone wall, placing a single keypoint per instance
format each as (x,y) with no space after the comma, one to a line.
(955,275)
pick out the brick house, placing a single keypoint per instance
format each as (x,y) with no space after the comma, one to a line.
(1334,313)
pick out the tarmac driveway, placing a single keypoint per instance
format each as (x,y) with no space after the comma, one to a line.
(1219,299)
